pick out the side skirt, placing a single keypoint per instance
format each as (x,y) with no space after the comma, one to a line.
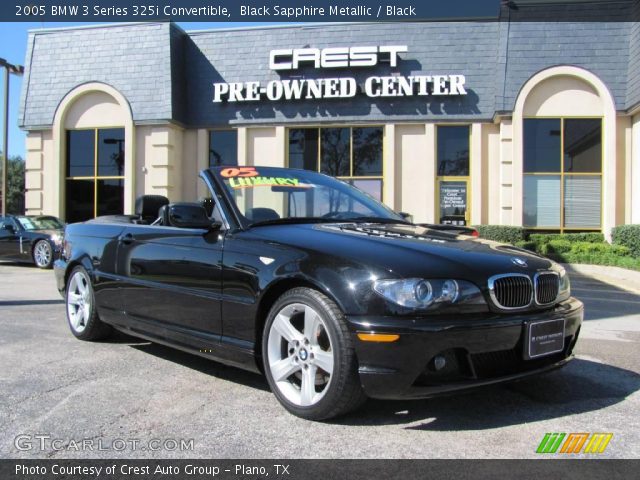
(229,351)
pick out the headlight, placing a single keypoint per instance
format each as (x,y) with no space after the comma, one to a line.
(66,250)
(56,238)
(421,293)
(564,291)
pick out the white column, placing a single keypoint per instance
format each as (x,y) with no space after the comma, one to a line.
(129,168)
(415,169)
(635,171)
(242,146)
(492,177)
(281,146)
(609,173)
(475,199)
(202,159)
(510,176)
(389,166)
(430,171)
(33,174)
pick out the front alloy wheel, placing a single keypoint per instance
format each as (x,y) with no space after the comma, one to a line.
(300,361)
(43,254)
(309,358)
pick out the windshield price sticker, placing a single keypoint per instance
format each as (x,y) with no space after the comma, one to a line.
(239,172)
(249,177)
(265,182)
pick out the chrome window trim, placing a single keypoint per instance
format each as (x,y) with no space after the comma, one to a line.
(535,287)
(491,283)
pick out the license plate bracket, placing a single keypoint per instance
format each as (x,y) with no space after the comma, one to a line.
(543,338)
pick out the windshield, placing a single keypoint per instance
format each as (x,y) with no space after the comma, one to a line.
(40,223)
(283,195)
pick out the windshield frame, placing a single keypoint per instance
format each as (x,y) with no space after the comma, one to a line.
(242,222)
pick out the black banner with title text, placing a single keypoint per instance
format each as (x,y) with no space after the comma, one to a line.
(279,469)
(312,11)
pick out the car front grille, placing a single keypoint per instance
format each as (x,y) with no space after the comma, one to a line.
(511,290)
(547,287)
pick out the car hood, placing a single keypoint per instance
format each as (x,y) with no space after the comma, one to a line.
(409,250)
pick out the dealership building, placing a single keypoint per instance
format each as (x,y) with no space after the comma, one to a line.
(510,122)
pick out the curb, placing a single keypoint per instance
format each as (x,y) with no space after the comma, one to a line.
(618,277)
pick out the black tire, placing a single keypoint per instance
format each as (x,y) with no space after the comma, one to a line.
(344,392)
(85,323)
(42,254)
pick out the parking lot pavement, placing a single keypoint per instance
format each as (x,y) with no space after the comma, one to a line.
(130,390)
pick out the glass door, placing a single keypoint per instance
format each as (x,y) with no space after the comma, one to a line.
(452,182)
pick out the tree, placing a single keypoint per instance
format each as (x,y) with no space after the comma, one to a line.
(15,185)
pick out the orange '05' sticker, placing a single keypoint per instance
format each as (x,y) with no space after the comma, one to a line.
(239,172)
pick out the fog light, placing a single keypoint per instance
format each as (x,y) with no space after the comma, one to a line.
(439,362)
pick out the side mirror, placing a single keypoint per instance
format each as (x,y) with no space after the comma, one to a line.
(9,228)
(190,215)
(407,216)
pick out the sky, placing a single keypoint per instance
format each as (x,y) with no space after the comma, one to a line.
(13,46)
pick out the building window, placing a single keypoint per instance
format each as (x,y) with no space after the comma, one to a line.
(452,183)
(223,147)
(562,173)
(353,154)
(94,173)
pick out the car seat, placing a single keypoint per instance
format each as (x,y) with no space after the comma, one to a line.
(261,214)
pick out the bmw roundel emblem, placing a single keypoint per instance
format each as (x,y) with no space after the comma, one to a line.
(519,262)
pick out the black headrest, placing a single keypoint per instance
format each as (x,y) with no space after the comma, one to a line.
(147,206)
(261,214)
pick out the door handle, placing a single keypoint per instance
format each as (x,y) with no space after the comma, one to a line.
(126,239)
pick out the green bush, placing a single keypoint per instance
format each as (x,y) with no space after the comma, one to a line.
(527,245)
(628,236)
(590,248)
(609,259)
(556,246)
(621,250)
(589,253)
(591,237)
(502,233)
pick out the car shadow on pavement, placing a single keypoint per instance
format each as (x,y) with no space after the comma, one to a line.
(206,366)
(22,303)
(582,386)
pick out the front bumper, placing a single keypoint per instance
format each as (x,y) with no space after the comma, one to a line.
(478,350)
(60,269)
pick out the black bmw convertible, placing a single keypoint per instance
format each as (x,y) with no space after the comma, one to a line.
(329,293)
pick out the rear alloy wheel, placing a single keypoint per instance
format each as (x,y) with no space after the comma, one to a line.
(309,358)
(43,254)
(81,311)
